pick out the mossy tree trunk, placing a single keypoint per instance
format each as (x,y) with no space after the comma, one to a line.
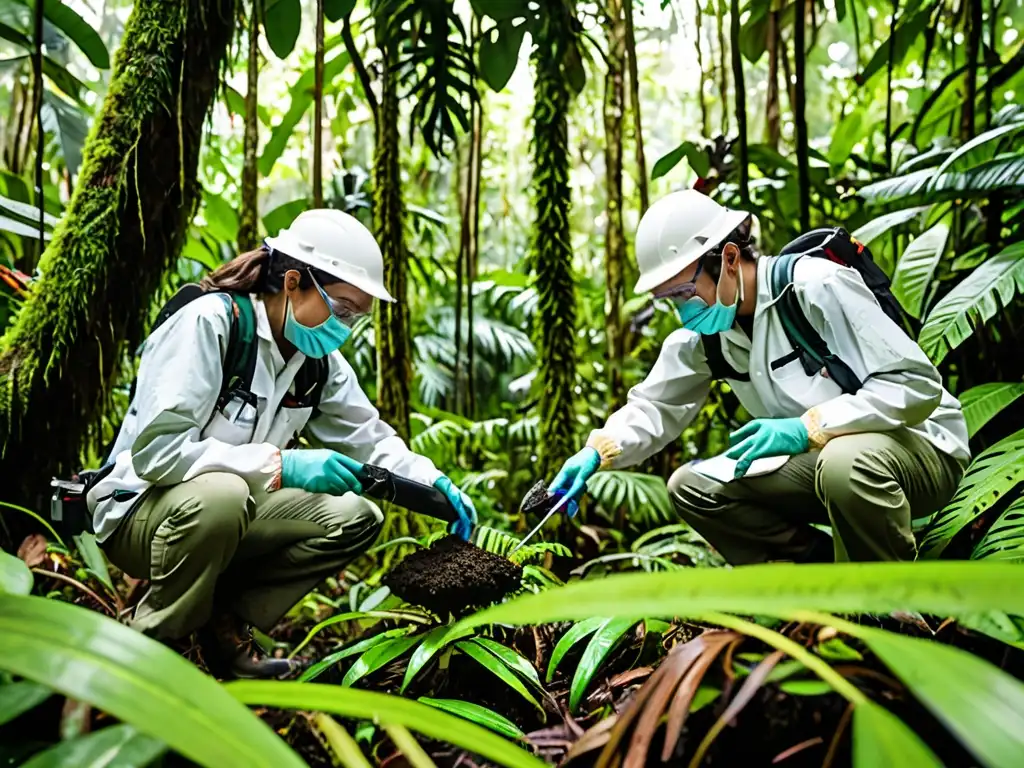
(248,220)
(551,249)
(803,161)
(740,94)
(634,98)
(773,112)
(125,225)
(318,109)
(614,238)
(391,320)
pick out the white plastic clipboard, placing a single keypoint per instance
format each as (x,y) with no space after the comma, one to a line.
(723,469)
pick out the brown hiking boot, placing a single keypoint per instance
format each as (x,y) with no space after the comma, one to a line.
(234,654)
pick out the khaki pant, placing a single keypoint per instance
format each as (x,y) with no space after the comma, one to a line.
(208,540)
(868,487)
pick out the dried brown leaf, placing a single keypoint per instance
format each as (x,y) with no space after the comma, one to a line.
(680,708)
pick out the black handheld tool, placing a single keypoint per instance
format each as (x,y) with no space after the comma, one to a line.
(422,499)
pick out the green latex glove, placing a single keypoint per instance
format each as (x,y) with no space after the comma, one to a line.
(320,471)
(762,438)
(463,527)
(571,480)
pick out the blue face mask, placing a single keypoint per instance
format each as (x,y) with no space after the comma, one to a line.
(697,316)
(320,340)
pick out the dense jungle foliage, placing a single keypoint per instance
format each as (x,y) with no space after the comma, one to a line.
(503,152)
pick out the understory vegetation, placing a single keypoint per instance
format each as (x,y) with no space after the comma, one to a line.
(503,151)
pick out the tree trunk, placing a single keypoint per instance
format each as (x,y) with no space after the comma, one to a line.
(551,250)
(739,88)
(723,71)
(773,112)
(390,319)
(799,116)
(318,109)
(473,254)
(705,120)
(614,238)
(124,227)
(634,98)
(974,23)
(248,220)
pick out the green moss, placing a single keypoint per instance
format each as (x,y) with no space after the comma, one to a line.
(551,248)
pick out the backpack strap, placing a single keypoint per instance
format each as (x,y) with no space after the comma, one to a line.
(309,385)
(240,359)
(813,351)
(720,367)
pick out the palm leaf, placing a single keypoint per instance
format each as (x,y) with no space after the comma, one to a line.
(983,403)
(1005,539)
(916,268)
(641,494)
(882,224)
(927,185)
(980,149)
(992,475)
(533,552)
(973,302)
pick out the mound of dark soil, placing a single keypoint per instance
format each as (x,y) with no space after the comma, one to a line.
(452,575)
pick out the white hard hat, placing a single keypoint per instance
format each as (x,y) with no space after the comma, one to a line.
(676,231)
(336,243)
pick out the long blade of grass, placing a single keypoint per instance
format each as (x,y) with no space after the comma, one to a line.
(408,746)
(604,641)
(379,707)
(354,616)
(117,745)
(476,714)
(568,640)
(18,698)
(496,667)
(313,672)
(340,742)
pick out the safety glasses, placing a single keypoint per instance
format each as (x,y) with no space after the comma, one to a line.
(683,291)
(346,315)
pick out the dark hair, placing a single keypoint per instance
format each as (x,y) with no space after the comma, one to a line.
(742,238)
(262,271)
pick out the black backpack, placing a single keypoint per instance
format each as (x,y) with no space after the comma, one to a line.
(836,245)
(240,358)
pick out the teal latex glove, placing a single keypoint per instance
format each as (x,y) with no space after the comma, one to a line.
(762,438)
(571,480)
(463,527)
(320,471)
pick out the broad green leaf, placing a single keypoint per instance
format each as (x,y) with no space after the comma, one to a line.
(314,671)
(116,746)
(880,738)
(499,53)
(18,698)
(836,650)
(982,705)
(357,616)
(605,640)
(379,656)
(973,302)
(77,30)
(991,475)
(916,268)
(1002,626)
(501,10)
(511,659)
(94,559)
(906,34)
(340,742)
(26,211)
(300,101)
(778,590)
(282,20)
(17,227)
(983,403)
(91,658)
(495,666)
(848,131)
(1005,539)
(928,186)
(336,10)
(476,714)
(981,148)
(282,216)
(694,155)
(379,707)
(433,642)
(15,576)
(221,218)
(576,633)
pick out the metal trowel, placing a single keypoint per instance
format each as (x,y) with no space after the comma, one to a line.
(536,501)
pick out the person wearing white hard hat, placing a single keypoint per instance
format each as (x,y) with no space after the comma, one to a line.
(205,495)
(865,448)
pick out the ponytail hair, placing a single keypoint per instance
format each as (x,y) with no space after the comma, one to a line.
(262,271)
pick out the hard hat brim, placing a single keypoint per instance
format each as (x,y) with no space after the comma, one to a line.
(335,269)
(715,232)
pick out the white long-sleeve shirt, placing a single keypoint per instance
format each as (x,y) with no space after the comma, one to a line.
(173,434)
(901,388)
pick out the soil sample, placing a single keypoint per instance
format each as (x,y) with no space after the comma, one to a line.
(453,575)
